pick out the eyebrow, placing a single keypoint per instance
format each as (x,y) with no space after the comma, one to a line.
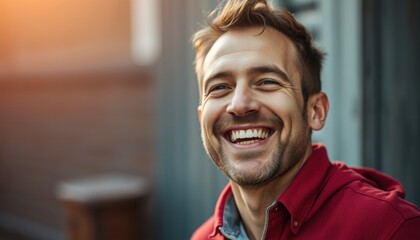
(251,71)
(222,74)
(269,69)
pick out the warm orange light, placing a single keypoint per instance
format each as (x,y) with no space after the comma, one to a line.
(51,35)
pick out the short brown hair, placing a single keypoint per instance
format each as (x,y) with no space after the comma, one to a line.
(250,13)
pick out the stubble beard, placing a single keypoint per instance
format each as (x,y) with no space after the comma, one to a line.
(284,157)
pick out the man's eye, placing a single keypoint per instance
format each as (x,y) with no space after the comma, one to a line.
(269,82)
(218,88)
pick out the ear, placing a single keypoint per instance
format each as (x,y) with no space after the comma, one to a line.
(317,108)
(199,111)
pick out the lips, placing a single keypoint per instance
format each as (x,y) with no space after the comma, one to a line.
(248,136)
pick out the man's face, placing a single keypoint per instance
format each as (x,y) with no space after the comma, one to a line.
(252,115)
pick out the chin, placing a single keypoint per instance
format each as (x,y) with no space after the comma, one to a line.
(252,175)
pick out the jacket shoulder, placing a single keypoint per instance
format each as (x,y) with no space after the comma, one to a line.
(384,212)
(204,231)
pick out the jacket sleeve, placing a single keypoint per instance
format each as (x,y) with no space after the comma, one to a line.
(409,229)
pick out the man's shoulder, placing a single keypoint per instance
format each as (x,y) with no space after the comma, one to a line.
(381,202)
(205,230)
(356,207)
(386,211)
(368,189)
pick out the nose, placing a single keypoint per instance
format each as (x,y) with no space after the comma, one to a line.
(242,102)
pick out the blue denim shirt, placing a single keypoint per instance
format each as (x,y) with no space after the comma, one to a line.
(232,224)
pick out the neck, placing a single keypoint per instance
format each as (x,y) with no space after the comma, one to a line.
(253,201)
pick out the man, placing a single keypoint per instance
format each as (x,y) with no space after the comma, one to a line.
(259,82)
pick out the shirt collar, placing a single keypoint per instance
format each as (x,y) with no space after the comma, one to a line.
(220,208)
(232,227)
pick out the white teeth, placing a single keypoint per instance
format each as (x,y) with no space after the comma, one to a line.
(259,133)
(246,142)
(247,134)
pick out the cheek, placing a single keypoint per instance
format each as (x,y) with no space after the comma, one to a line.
(284,106)
(209,115)
(289,110)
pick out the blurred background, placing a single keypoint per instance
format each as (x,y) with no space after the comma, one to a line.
(98,125)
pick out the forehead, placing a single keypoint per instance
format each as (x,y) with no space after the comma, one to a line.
(251,46)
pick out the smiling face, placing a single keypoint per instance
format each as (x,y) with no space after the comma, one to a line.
(252,116)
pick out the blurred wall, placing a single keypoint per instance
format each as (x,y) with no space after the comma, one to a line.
(72,104)
(391,58)
(188,182)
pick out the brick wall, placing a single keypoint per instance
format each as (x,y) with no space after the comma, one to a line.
(72,104)
(56,128)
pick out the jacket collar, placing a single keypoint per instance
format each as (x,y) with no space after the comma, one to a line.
(300,195)
(296,199)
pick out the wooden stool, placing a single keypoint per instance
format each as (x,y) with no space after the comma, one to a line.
(105,207)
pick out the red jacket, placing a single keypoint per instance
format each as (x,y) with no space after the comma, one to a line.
(331,201)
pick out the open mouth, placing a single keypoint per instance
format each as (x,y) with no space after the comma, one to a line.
(248,136)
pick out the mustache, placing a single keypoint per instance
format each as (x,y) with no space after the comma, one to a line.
(229,121)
